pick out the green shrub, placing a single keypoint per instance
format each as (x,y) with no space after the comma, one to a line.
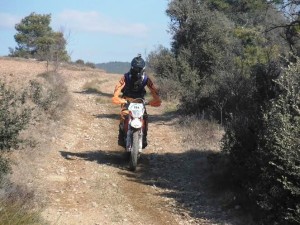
(15,115)
(4,167)
(279,145)
(79,62)
(263,146)
(90,64)
(169,90)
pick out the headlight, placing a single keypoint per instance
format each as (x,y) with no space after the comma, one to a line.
(136,123)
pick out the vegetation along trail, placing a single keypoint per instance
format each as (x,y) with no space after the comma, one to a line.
(81,176)
(235,77)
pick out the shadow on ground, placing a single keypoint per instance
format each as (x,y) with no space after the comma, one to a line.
(182,177)
(113,116)
(94,92)
(111,158)
(161,119)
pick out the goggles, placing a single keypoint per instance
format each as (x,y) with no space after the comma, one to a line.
(136,70)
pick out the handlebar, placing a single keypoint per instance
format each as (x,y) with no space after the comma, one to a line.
(136,100)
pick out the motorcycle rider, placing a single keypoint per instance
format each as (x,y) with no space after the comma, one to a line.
(132,85)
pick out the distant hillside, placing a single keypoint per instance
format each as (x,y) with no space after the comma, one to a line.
(114,67)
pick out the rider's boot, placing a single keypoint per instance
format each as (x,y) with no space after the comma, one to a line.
(145,142)
(121,139)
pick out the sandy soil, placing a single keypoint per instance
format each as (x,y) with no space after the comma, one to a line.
(80,174)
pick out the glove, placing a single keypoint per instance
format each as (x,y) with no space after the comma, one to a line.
(155,102)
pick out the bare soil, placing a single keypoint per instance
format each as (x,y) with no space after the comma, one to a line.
(80,175)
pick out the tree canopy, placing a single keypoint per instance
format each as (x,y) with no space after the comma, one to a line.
(36,39)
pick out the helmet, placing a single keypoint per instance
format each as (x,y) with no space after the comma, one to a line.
(137,65)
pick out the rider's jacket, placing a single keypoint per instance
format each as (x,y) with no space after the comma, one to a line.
(135,89)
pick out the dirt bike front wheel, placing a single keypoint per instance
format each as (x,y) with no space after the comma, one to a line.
(134,150)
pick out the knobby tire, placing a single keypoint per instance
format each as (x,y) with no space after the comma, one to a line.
(134,150)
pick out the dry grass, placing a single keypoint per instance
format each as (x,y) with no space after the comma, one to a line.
(201,134)
(205,137)
(16,215)
(103,100)
(170,107)
(17,206)
(53,97)
(78,67)
(93,86)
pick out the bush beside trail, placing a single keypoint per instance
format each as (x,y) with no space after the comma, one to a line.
(241,69)
(45,97)
(15,116)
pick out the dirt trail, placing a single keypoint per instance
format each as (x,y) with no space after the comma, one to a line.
(87,181)
(83,176)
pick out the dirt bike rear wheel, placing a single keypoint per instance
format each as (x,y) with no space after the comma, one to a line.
(134,150)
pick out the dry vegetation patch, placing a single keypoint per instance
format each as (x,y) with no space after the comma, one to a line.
(46,97)
(202,134)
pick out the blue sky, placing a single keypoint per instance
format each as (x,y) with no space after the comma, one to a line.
(96,30)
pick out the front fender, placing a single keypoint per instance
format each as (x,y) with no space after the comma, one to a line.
(136,123)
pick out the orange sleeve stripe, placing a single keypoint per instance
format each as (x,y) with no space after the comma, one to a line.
(153,89)
(116,99)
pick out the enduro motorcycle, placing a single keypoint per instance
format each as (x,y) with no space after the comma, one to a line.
(134,127)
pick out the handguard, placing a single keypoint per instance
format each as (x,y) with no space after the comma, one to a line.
(155,102)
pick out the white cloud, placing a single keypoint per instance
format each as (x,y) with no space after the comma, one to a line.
(8,20)
(95,22)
